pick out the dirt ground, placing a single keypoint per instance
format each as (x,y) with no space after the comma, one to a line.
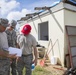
(55,69)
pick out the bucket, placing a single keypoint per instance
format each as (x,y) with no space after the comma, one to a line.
(53,60)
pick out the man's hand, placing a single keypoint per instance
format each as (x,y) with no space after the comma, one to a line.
(12,56)
(35,61)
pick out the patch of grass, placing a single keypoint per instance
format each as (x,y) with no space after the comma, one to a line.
(40,71)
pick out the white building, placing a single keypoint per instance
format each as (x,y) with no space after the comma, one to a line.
(50,25)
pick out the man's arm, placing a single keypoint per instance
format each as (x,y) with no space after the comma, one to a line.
(4,53)
(35,54)
(17,45)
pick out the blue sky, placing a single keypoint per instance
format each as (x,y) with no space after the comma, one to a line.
(15,9)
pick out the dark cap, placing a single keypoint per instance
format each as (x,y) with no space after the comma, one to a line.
(13,23)
(4,22)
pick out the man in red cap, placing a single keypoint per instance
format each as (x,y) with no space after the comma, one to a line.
(27,43)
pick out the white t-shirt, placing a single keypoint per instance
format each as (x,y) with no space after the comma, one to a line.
(26,43)
(3,41)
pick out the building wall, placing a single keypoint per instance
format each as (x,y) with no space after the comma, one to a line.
(70,16)
(56,33)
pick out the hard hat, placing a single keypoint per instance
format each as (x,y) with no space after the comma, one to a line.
(26,29)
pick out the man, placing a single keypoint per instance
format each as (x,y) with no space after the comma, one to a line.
(27,43)
(4,54)
(11,36)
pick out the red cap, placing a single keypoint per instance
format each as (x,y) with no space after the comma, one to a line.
(26,29)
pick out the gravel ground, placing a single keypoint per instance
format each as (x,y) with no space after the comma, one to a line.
(55,69)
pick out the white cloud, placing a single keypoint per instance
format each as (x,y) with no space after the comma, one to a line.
(7,6)
(16,15)
(9,9)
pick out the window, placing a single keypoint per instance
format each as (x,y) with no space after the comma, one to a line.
(43,31)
